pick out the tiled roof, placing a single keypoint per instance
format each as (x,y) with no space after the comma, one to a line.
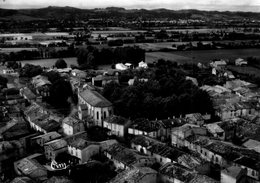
(94,98)
(145,125)
(144,141)
(28,93)
(22,180)
(71,120)
(177,171)
(165,151)
(31,168)
(46,136)
(57,144)
(80,143)
(117,120)
(132,175)
(232,171)
(124,155)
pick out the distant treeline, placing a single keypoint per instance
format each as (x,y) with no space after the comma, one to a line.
(37,54)
(90,56)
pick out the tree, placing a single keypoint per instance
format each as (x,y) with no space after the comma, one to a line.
(60,64)
(30,70)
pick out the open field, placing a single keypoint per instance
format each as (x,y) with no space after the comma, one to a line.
(203,56)
(50,62)
(245,70)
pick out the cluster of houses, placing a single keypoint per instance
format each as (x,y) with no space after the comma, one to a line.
(37,142)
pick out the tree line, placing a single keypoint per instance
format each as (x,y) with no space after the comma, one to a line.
(90,56)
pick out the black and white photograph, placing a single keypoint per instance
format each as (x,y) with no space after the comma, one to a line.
(130,91)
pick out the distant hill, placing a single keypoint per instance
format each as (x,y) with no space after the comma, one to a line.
(53,12)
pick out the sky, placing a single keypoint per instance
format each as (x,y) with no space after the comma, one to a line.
(220,5)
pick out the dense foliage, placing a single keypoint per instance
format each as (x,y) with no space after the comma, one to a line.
(3,81)
(166,94)
(60,90)
(91,56)
(29,70)
(60,64)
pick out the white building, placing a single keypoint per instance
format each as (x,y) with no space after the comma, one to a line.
(117,125)
(72,125)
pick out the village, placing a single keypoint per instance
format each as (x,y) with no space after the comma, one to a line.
(91,142)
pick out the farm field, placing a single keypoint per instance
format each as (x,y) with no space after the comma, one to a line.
(203,56)
(245,70)
(50,62)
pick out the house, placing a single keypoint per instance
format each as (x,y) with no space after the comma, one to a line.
(136,175)
(99,108)
(195,118)
(47,137)
(163,153)
(42,85)
(173,172)
(31,168)
(78,73)
(176,173)
(125,158)
(44,124)
(121,66)
(83,149)
(72,125)
(239,109)
(143,65)
(166,125)
(218,63)
(117,125)
(216,131)
(179,134)
(223,154)
(102,80)
(252,144)
(144,127)
(27,94)
(229,75)
(141,143)
(53,148)
(240,62)
(233,174)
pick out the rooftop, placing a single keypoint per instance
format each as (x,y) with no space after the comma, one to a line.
(31,168)
(28,93)
(57,144)
(124,155)
(95,99)
(46,136)
(232,171)
(177,171)
(70,120)
(144,141)
(80,143)
(117,120)
(165,151)
(132,175)
(22,180)
(145,125)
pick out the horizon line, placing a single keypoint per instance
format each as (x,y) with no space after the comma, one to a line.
(129,8)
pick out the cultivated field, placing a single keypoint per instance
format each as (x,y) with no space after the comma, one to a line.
(203,56)
(50,62)
(246,70)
